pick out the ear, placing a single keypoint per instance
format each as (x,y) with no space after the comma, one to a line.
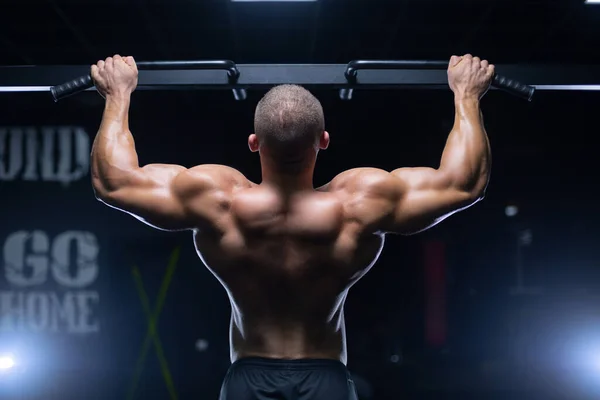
(324,140)
(253,143)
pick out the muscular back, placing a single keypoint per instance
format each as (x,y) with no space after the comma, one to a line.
(287,262)
(287,259)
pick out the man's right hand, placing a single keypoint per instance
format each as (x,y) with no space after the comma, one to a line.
(115,76)
(469,77)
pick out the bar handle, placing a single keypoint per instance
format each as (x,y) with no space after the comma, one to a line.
(498,81)
(84,82)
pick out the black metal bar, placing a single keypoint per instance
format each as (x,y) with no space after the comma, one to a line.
(354,66)
(84,82)
(331,76)
(509,85)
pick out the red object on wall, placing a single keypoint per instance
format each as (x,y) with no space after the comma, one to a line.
(435,293)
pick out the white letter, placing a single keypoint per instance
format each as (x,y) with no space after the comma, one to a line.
(9,169)
(47,155)
(10,313)
(67,313)
(61,312)
(82,154)
(62,173)
(84,325)
(38,312)
(15,260)
(86,252)
(31,155)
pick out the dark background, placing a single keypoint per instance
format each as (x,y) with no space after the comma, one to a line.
(544,344)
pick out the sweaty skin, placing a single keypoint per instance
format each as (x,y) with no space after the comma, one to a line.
(287,256)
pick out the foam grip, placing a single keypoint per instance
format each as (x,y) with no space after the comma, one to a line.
(513,87)
(72,87)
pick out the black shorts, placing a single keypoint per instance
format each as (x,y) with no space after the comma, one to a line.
(255,378)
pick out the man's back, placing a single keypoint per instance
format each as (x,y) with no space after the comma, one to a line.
(287,262)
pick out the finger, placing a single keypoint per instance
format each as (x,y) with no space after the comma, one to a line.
(131,62)
(492,69)
(454,60)
(467,59)
(109,63)
(485,64)
(94,72)
(117,58)
(477,60)
(101,64)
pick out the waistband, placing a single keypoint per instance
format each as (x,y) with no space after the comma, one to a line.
(286,364)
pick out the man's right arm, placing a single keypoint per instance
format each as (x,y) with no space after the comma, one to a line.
(427,196)
(410,200)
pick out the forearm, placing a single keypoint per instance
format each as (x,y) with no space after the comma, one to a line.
(113,152)
(467,155)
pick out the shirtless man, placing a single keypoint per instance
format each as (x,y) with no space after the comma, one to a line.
(285,252)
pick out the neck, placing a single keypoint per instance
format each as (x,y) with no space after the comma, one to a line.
(288,181)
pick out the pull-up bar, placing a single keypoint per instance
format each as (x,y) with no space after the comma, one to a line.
(351,74)
(360,74)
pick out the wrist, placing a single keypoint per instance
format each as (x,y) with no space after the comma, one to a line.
(116,108)
(118,99)
(465,99)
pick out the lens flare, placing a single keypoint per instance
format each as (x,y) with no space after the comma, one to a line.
(6,363)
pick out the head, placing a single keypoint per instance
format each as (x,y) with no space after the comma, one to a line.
(289,129)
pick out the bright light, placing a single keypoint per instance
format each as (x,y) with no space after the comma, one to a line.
(596,361)
(592,1)
(570,87)
(273,1)
(24,88)
(201,345)
(511,211)
(6,363)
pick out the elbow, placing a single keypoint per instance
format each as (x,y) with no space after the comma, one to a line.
(477,191)
(98,187)
(473,185)
(107,186)
(102,193)
(99,183)
(471,192)
(477,196)
(109,198)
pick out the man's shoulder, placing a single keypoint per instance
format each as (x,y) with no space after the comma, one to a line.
(355,179)
(215,176)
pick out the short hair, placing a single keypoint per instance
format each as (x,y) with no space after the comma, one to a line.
(288,120)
